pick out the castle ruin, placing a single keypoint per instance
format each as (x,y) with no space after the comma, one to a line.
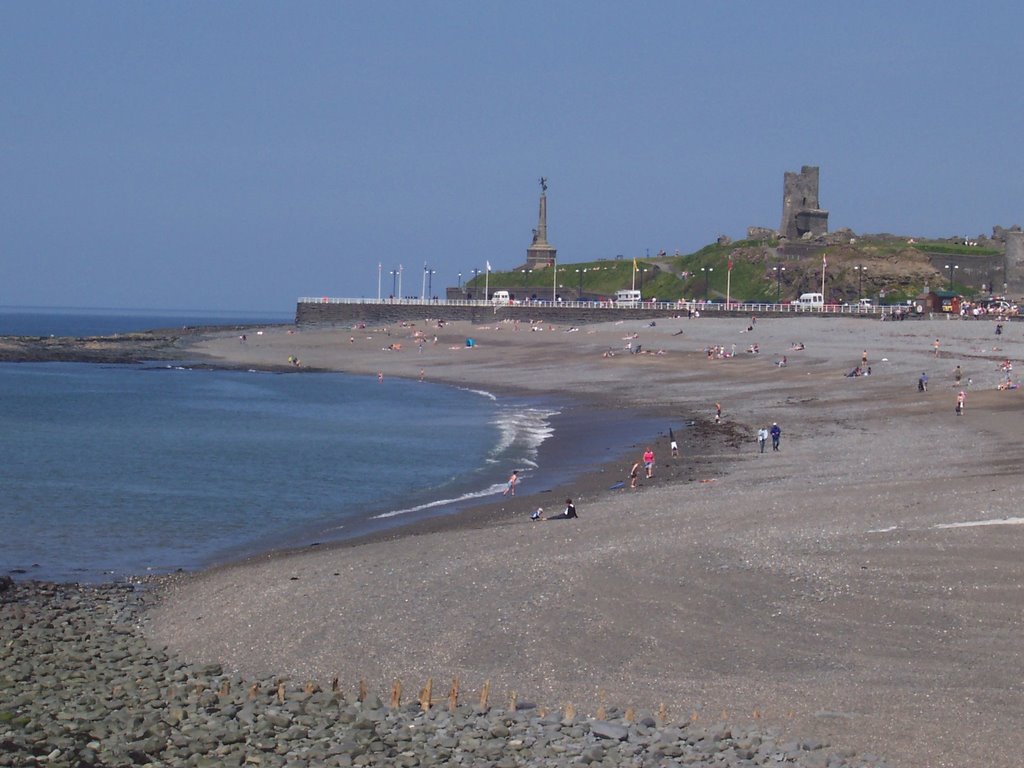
(801,213)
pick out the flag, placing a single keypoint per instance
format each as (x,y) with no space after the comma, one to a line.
(824,262)
(730,263)
(488,266)
(634,263)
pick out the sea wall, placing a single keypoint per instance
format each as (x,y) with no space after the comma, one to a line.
(351,313)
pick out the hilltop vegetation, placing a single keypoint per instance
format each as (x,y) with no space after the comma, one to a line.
(885,268)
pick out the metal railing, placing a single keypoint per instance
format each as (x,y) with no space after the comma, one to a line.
(681,306)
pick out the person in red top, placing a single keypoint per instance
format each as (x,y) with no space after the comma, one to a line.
(649,463)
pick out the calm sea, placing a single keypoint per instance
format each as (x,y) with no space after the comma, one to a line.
(114,471)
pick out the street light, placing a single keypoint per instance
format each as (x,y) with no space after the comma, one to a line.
(579,290)
(641,271)
(475,272)
(860,280)
(951,267)
(460,282)
(779,269)
(430,282)
(394,277)
(707,276)
(525,273)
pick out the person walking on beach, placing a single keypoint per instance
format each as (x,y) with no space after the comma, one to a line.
(922,382)
(634,472)
(957,375)
(935,345)
(649,463)
(864,359)
(960,400)
(718,413)
(776,434)
(762,438)
(510,489)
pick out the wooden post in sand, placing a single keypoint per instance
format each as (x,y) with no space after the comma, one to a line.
(335,685)
(396,694)
(662,712)
(601,714)
(426,694)
(453,695)
(485,692)
(225,689)
(362,691)
(280,692)
(513,702)
(630,715)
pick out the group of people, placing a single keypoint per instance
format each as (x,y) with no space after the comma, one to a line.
(538,514)
(775,433)
(648,464)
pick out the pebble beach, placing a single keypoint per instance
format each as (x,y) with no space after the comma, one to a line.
(851,599)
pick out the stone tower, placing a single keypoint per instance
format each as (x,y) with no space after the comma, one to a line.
(800,209)
(1014,265)
(541,253)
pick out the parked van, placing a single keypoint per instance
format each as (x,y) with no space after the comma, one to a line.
(627,298)
(501,297)
(810,301)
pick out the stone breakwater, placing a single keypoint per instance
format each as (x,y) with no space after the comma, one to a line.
(81,686)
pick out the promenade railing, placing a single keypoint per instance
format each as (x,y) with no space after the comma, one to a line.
(753,308)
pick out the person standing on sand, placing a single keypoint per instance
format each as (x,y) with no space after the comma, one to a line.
(776,434)
(960,401)
(957,375)
(634,472)
(718,413)
(935,345)
(864,359)
(674,447)
(510,489)
(762,438)
(649,463)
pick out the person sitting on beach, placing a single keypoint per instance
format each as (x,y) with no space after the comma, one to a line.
(570,512)
(783,362)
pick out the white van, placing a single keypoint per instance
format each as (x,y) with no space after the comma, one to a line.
(501,297)
(810,301)
(627,298)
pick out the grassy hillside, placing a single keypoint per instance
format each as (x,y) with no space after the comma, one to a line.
(890,269)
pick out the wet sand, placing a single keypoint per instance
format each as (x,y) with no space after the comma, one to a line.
(814,587)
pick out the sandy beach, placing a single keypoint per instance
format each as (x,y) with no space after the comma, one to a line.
(863,584)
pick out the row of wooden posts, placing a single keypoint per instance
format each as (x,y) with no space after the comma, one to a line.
(426,699)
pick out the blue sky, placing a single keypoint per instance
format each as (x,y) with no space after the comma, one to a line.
(236,156)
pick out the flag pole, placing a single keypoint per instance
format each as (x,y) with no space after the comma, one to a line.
(824,266)
(728,283)
(487,282)
(633,286)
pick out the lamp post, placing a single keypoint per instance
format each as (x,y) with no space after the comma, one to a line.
(860,280)
(460,282)
(707,277)
(641,271)
(779,269)
(394,276)
(951,267)
(380,268)
(399,294)
(430,282)
(579,289)
(475,272)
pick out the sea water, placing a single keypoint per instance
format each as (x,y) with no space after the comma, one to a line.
(109,471)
